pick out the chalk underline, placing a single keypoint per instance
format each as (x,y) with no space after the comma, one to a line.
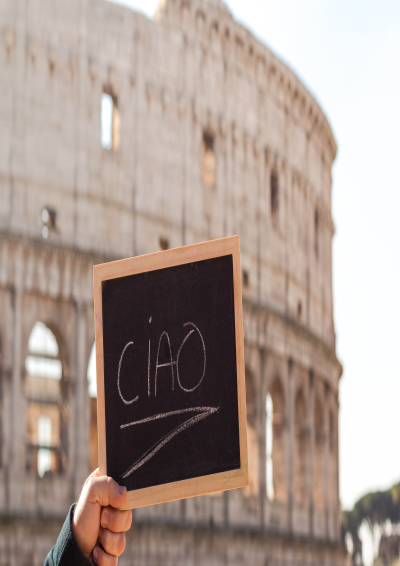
(171,413)
(204,413)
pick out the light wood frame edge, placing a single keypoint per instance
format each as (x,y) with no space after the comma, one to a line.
(98,333)
(196,252)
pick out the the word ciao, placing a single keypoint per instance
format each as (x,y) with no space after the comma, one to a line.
(173,364)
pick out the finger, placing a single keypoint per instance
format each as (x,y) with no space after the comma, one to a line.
(115,520)
(105,490)
(102,558)
(113,543)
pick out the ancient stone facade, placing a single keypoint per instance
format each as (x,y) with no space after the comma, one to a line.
(212,135)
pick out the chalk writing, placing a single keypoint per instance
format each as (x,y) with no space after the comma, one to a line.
(206,412)
(179,353)
(163,415)
(203,411)
(148,372)
(119,371)
(170,363)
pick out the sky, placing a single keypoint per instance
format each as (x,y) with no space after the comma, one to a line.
(347,53)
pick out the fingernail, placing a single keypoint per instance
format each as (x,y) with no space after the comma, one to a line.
(122,489)
(104,519)
(96,553)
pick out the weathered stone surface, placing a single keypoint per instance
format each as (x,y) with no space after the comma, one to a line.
(217,137)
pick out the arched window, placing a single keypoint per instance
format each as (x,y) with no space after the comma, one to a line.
(331,432)
(274,195)
(110,120)
(93,448)
(300,452)
(252,439)
(275,445)
(209,162)
(46,406)
(316,232)
(318,455)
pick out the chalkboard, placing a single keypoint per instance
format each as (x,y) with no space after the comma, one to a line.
(169,351)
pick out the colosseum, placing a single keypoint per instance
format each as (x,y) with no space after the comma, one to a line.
(122,135)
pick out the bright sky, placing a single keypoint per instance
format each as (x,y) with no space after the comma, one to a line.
(348,54)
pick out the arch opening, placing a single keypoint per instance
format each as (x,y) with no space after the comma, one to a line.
(300,453)
(253,451)
(275,443)
(274,195)
(46,410)
(208,159)
(319,455)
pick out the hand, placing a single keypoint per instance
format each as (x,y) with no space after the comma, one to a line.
(98,526)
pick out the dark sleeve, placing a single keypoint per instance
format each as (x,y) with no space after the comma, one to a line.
(66,551)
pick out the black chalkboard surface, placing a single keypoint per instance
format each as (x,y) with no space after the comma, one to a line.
(172,384)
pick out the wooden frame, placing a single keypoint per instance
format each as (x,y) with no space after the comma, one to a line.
(159,260)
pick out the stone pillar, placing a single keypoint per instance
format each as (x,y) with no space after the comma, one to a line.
(290,445)
(285,196)
(5,440)
(311,436)
(17,428)
(183,506)
(288,227)
(81,130)
(226,508)
(186,171)
(326,458)
(2,381)
(140,111)
(81,420)
(186,117)
(262,437)
(228,144)
(338,513)
(260,166)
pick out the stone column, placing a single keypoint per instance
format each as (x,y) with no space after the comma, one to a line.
(81,420)
(2,381)
(261,420)
(288,227)
(140,111)
(229,180)
(290,445)
(226,508)
(260,166)
(337,500)
(80,123)
(5,440)
(17,428)
(229,113)
(311,436)
(186,117)
(17,164)
(326,458)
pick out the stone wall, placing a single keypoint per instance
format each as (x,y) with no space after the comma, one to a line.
(216,137)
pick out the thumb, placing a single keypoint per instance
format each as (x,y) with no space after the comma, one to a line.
(105,491)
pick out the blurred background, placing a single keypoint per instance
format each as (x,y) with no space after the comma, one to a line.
(134,126)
